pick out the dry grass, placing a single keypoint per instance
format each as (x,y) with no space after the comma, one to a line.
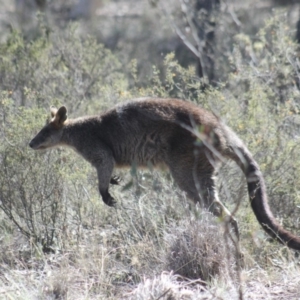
(117,263)
(199,249)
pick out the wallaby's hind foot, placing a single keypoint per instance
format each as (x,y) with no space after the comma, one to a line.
(219,210)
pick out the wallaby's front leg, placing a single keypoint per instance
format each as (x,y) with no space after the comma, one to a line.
(105,167)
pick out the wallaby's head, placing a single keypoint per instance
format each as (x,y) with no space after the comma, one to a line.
(51,133)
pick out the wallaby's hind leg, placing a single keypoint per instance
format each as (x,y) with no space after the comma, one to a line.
(209,196)
(197,180)
(219,209)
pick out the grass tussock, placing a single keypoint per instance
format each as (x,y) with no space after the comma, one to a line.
(166,286)
(199,249)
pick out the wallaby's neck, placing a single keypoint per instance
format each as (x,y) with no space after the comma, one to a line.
(71,133)
(76,131)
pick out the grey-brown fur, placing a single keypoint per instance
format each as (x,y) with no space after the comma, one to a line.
(187,139)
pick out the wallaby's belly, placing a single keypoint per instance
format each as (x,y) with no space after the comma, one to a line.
(147,150)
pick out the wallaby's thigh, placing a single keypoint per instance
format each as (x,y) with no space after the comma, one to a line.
(193,173)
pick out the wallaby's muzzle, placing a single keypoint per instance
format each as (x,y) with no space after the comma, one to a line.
(37,144)
(33,145)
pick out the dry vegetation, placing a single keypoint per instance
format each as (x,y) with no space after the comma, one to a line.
(58,240)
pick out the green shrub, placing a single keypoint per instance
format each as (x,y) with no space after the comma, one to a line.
(42,193)
(59,68)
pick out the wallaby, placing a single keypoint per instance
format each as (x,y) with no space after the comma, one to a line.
(187,139)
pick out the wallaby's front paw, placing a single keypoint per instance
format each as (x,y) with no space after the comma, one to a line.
(110,201)
(107,198)
(115,180)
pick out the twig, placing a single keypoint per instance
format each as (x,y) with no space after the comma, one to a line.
(165,293)
(182,36)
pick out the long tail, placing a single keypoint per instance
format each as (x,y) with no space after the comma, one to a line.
(258,195)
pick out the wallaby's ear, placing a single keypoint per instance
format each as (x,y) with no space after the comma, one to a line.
(61,115)
(53,111)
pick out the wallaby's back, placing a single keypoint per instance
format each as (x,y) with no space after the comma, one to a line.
(146,129)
